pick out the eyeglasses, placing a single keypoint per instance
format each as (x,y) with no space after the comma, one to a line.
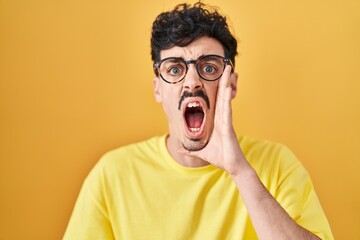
(209,67)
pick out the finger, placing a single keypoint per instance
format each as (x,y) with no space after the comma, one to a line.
(223,97)
(227,107)
(224,81)
(223,85)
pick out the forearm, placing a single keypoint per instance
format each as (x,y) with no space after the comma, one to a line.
(269,219)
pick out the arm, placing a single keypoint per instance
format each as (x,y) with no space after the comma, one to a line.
(269,219)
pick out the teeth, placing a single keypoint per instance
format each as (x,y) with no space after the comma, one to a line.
(193,104)
(194,129)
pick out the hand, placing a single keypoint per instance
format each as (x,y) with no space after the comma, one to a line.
(223,149)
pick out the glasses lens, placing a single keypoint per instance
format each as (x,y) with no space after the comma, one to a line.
(211,67)
(172,69)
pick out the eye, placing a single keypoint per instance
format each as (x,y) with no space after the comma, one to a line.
(175,70)
(208,69)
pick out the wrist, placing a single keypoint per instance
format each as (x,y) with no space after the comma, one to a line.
(242,171)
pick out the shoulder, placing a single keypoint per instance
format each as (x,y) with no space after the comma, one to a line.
(129,157)
(271,160)
(257,150)
(134,150)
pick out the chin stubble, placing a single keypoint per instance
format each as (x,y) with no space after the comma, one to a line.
(197,147)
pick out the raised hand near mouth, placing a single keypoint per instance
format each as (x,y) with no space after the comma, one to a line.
(223,149)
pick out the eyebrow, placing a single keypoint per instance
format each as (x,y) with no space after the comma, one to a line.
(191,59)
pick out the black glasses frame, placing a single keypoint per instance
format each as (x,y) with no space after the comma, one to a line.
(156,66)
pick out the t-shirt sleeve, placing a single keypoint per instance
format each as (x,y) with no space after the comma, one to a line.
(90,219)
(295,193)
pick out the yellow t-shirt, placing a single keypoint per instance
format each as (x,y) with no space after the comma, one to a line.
(140,192)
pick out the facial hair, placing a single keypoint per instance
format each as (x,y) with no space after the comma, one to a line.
(197,147)
(199,93)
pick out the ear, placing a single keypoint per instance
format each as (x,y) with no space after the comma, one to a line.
(156,89)
(233,82)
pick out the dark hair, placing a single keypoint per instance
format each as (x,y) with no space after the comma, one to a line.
(186,23)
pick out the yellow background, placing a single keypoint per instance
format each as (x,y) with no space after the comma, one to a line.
(76,81)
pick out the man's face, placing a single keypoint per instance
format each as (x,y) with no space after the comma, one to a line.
(190,104)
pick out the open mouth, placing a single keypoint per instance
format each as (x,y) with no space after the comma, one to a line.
(194,117)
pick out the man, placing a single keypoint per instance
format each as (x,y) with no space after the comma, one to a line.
(200,181)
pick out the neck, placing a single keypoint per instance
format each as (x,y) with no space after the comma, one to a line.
(173,145)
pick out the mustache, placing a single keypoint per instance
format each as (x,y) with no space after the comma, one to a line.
(199,93)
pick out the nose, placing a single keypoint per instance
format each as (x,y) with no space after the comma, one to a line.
(192,79)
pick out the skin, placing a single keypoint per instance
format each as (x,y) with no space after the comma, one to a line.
(218,144)
(169,95)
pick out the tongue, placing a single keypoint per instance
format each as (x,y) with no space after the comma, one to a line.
(194,120)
